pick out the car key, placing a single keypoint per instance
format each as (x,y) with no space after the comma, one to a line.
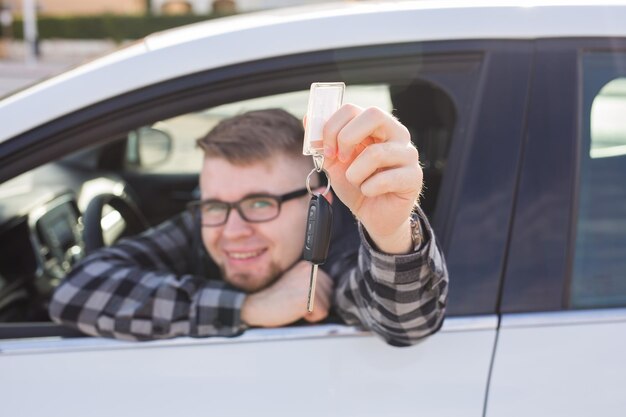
(317,239)
(324,100)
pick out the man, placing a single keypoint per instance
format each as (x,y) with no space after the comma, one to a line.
(248,270)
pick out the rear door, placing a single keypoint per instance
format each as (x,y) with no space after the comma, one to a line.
(563,332)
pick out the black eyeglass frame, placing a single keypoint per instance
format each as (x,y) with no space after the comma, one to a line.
(194,206)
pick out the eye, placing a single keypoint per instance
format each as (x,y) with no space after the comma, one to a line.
(212,208)
(260,203)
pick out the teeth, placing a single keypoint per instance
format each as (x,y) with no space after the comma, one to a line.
(244,255)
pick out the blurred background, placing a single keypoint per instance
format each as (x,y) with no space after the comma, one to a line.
(41,38)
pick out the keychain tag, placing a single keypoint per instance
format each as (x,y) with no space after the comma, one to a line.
(324,100)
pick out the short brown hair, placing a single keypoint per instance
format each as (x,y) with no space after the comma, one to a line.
(254,136)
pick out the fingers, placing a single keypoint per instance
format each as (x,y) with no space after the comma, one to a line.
(352,125)
(400,181)
(380,157)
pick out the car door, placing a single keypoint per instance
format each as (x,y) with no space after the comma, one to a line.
(561,342)
(464,105)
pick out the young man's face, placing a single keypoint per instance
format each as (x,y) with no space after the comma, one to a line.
(252,255)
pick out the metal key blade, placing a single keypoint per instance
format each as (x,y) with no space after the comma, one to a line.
(311,299)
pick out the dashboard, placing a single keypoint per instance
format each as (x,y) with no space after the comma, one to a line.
(56,236)
(42,233)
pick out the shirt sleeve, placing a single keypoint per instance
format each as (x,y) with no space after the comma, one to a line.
(141,289)
(402,298)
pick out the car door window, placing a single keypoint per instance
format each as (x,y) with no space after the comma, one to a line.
(432,96)
(598,278)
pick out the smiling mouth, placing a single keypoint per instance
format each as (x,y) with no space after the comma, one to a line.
(242,256)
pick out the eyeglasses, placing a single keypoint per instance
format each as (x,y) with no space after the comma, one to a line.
(255,208)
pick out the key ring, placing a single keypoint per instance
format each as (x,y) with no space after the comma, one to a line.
(318,161)
(308,180)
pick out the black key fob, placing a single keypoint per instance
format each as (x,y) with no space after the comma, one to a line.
(318,229)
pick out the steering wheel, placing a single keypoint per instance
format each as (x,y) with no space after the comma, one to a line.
(93,235)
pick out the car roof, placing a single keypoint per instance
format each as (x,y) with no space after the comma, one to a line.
(199,47)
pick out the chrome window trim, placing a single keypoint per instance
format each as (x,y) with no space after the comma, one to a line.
(470,323)
(61,345)
(557,318)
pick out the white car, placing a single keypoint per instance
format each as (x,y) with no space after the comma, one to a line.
(518,111)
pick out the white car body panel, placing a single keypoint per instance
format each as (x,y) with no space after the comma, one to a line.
(559,364)
(328,370)
(199,47)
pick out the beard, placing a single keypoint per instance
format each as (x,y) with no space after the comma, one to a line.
(249,283)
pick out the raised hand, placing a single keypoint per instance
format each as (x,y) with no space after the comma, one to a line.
(374,169)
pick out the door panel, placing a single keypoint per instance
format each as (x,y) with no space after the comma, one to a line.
(321,370)
(560,364)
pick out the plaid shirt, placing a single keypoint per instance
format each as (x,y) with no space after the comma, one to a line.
(150,287)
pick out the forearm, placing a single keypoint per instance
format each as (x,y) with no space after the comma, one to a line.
(142,288)
(126,302)
(402,298)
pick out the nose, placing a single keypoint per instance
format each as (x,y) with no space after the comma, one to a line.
(236,227)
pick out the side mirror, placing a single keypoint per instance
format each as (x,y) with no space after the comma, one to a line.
(148,147)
